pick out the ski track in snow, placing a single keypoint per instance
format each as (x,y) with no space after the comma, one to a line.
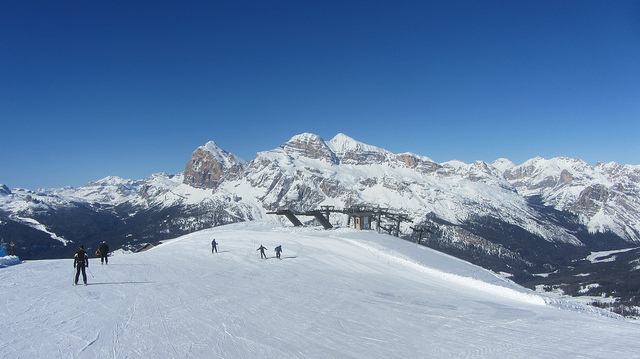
(335,294)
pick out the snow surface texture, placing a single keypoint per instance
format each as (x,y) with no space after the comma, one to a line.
(335,294)
(9,261)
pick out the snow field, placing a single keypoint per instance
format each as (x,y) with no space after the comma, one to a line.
(335,294)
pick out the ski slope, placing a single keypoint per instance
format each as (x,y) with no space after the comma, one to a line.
(335,294)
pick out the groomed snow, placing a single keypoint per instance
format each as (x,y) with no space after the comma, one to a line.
(335,294)
(9,261)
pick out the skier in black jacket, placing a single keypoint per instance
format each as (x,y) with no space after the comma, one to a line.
(262,254)
(103,253)
(80,261)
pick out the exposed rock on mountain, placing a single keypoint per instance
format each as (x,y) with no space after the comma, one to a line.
(4,189)
(208,164)
(310,146)
(604,198)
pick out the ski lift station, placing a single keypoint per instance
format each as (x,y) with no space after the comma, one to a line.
(361,217)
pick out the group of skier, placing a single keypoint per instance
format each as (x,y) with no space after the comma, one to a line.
(262,248)
(278,250)
(81,260)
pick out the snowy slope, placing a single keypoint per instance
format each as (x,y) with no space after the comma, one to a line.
(335,294)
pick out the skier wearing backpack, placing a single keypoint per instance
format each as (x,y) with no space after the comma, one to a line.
(278,251)
(80,261)
(103,252)
(262,254)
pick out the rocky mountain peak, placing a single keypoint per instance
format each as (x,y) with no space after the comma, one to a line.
(503,165)
(4,189)
(309,145)
(225,158)
(419,163)
(350,151)
(342,143)
(208,164)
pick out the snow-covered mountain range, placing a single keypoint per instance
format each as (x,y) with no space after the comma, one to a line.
(539,215)
(307,172)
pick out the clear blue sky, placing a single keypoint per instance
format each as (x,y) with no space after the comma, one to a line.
(130,88)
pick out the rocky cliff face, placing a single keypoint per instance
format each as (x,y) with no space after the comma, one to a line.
(208,164)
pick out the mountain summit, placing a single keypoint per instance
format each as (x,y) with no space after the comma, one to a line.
(207,165)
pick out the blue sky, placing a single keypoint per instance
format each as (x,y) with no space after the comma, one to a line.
(130,88)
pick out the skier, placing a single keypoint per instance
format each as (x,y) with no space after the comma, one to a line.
(278,251)
(262,254)
(103,252)
(80,261)
(214,246)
